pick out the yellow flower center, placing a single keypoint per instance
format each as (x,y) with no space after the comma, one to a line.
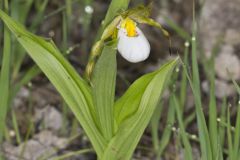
(130,26)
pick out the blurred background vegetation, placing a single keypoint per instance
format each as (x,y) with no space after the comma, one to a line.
(39,125)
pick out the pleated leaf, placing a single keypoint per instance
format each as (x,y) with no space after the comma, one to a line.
(139,102)
(103,84)
(69,84)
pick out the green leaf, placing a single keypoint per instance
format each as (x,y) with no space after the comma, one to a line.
(70,85)
(5,79)
(144,102)
(129,102)
(103,85)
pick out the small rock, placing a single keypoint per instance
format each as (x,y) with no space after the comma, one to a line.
(212,26)
(22,94)
(190,99)
(43,144)
(205,86)
(196,153)
(34,150)
(9,151)
(226,62)
(31,150)
(51,117)
(48,138)
(44,95)
(222,88)
(180,154)
(232,37)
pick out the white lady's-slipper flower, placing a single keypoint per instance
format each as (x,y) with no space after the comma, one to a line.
(132,44)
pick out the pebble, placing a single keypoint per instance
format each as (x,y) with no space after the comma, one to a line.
(226,62)
(51,118)
(43,144)
(212,27)
(222,88)
(23,93)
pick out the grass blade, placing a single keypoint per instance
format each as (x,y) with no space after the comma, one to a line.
(180,31)
(186,143)
(166,135)
(222,119)
(237,135)
(16,128)
(183,87)
(229,136)
(203,132)
(213,129)
(195,85)
(154,126)
(5,76)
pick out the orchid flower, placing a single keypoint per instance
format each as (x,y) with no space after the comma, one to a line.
(132,44)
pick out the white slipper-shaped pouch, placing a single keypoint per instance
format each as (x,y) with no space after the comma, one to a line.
(132,44)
